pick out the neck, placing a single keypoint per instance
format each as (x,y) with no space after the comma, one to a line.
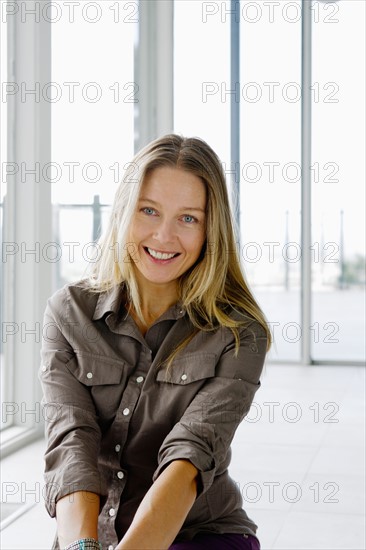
(155,299)
(153,309)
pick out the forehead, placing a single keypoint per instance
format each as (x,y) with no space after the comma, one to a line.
(170,183)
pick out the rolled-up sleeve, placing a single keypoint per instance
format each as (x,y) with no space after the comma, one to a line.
(72,430)
(204,433)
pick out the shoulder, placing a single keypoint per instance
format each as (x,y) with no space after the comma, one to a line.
(245,333)
(73,297)
(244,357)
(246,324)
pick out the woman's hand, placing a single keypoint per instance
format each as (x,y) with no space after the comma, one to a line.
(77,517)
(164,508)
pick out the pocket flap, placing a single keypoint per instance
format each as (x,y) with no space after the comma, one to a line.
(92,370)
(190,368)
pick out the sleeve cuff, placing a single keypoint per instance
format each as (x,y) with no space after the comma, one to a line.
(185,448)
(53,492)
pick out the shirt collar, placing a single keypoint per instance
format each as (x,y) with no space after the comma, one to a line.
(110,302)
(176,311)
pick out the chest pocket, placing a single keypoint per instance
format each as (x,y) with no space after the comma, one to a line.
(188,369)
(94,370)
(105,378)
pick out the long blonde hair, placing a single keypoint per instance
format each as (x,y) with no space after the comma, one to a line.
(216,281)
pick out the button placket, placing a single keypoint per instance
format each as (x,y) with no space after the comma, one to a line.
(124,416)
(115,490)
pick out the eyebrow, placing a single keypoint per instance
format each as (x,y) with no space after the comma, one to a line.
(141,199)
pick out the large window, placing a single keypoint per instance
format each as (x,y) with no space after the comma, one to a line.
(268,170)
(54,210)
(92,123)
(270,175)
(202,76)
(338,206)
(59,183)
(268,95)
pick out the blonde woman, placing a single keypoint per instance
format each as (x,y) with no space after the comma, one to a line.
(149,366)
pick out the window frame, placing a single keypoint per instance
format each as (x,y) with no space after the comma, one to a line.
(27,220)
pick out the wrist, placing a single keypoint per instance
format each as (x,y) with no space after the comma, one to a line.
(84,544)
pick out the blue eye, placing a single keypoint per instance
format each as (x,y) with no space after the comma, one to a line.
(149,211)
(189,219)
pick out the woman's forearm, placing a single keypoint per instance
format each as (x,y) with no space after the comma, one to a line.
(77,517)
(163,509)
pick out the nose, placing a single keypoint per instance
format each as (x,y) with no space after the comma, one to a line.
(164,231)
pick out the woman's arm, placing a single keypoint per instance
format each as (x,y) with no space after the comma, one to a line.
(164,508)
(72,429)
(77,517)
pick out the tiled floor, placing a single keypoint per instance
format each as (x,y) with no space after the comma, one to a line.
(299,460)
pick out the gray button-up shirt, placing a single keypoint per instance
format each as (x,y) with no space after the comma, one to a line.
(114,421)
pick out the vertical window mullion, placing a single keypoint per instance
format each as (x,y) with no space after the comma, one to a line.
(306,99)
(235,116)
(154,71)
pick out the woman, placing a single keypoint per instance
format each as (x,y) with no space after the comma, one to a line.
(150,364)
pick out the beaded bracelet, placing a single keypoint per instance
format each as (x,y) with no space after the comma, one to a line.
(84,544)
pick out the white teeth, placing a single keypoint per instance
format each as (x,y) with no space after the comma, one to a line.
(160,255)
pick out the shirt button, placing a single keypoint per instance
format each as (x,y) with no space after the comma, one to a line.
(126,411)
(139,379)
(44,368)
(184,377)
(89,375)
(120,475)
(112,512)
(117,448)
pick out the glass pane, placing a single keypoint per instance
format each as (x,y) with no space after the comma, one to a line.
(338,181)
(270,172)
(202,74)
(92,120)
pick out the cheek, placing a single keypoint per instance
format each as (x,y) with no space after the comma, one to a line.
(195,243)
(137,232)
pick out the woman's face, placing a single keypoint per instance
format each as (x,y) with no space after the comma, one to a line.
(168,228)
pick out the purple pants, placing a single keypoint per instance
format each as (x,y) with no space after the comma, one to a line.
(230,541)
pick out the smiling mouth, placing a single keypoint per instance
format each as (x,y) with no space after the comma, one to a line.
(160,255)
